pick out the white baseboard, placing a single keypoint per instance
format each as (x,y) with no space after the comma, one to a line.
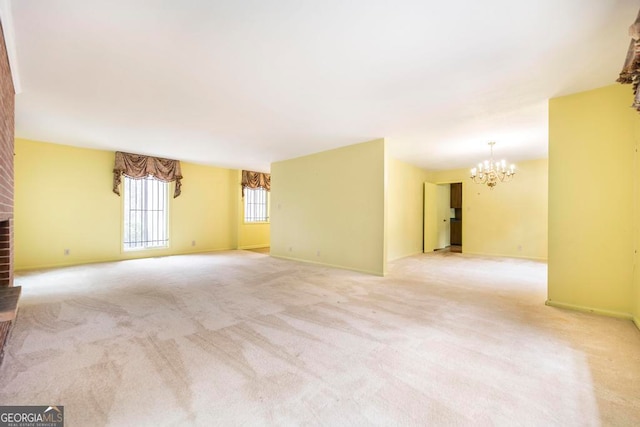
(254,246)
(130,256)
(406,255)
(584,309)
(324,264)
(504,256)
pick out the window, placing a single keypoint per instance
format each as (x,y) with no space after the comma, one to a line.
(145,213)
(256,206)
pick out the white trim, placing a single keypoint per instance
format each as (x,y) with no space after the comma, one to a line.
(6,17)
(602,312)
(530,258)
(260,246)
(324,264)
(408,255)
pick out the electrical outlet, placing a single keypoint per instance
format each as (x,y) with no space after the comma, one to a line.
(318,253)
(193,243)
(290,248)
(67,252)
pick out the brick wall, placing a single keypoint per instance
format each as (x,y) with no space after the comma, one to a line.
(7,97)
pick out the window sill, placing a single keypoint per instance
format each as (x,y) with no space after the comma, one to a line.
(153,248)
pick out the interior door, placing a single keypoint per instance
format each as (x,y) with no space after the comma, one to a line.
(444,215)
(431,222)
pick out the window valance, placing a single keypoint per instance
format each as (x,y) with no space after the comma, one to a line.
(630,73)
(138,166)
(252,179)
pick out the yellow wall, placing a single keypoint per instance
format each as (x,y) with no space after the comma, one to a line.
(63,200)
(592,193)
(511,219)
(253,235)
(250,235)
(636,216)
(329,208)
(404,209)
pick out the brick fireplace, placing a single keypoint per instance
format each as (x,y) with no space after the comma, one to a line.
(5,253)
(7,109)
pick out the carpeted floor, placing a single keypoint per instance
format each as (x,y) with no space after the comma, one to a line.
(240,338)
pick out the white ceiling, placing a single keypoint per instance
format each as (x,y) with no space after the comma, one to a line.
(243,83)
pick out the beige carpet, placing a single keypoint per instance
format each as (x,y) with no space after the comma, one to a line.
(240,338)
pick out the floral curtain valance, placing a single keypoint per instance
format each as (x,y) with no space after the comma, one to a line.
(252,179)
(138,166)
(630,73)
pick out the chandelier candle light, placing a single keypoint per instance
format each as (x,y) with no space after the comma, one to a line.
(490,172)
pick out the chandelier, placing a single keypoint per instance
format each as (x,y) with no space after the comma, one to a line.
(490,172)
